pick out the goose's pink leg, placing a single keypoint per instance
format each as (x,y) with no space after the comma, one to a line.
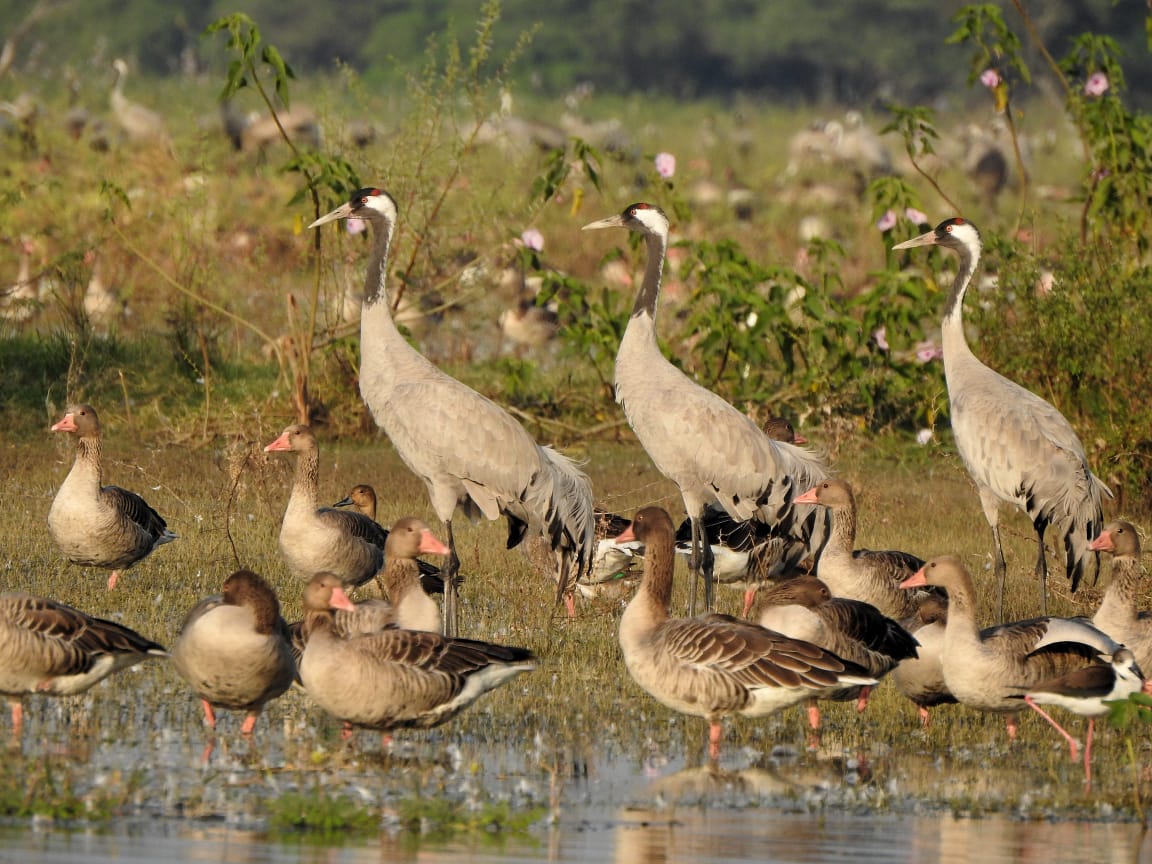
(715,730)
(209,714)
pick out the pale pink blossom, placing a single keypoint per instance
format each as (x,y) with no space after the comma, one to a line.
(665,165)
(928,351)
(916,217)
(887,221)
(356,226)
(532,239)
(880,337)
(1096,85)
(990,78)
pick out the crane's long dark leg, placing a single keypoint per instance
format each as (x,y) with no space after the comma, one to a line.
(1000,569)
(700,563)
(1042,567)
(448,571)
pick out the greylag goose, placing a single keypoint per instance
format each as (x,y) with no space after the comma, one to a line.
(860,574)
(1086,692)
(1018,448)
(315,539)
(993,669)
(1118,615)
(47,647)
(396,678)
(472,455)
(94,525)
(921,678)
(804,608)
(233,649)
(746,554)
(714,665)
(362,499)
(709,449)
(408,606)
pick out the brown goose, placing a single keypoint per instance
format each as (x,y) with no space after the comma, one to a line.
(804,608)
(408,606)
(233,649)
(396,678)
(860,574)
(921,678)
(95,525)
(1118,615)
(362,499)
(47,647)
(714,665)
(316,539)
(993,669)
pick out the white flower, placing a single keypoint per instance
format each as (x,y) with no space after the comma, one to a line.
(923,436)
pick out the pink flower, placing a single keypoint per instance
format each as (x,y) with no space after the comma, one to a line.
(990,78)
(928,351)
(915,216)
(880,337)
(1096,85)
(665,165)
(532,239)
(887,221)
(356,226)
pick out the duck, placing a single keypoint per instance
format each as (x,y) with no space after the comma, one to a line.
(993,669)
(50,648)
(921,678)
(233,649)
(1118,615)
(94,525)
(396,678)
(714,665)
(861,574)
(362,499)
(316,539)
(1087,692)
(803,607)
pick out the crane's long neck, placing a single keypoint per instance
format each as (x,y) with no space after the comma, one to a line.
(653,271)
(952,330)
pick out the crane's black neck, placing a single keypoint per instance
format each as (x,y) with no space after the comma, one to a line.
(653,270)
(374,287)
(969,259)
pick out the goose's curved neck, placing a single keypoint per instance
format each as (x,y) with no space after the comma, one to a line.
(306,486)
(659,561)
(88,451)
(657,244)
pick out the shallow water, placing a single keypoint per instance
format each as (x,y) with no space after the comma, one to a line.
(629,836)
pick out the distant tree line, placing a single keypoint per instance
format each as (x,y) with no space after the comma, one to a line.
(792,51)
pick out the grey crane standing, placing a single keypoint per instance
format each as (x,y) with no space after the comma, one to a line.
(470,453)
(1017,447)
(140,124)
(710,450)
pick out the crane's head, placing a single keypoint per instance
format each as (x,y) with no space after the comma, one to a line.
(368,203)
(643,218)
(953,233)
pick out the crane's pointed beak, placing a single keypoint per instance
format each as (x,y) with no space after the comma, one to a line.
(616,221)
(926,239)
(341,212)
